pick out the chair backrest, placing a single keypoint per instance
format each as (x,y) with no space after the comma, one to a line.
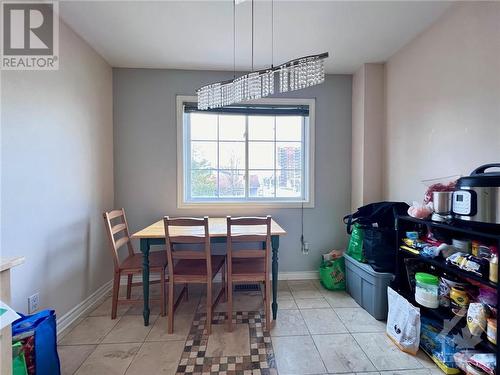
(117,228)
(187,230)
(251,229)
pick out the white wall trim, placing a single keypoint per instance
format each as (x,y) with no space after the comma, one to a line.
(83,308)
(309,142)
(296,275)
(92,301)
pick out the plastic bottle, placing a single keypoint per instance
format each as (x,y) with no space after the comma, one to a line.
(494,268)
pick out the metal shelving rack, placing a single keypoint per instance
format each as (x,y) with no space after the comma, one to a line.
(453,229)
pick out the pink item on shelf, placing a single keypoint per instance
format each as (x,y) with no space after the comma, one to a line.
(420,211)
(438,187)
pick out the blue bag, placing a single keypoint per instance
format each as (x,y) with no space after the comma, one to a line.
(44,326)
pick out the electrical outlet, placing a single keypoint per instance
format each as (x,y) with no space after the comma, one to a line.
(305,248)
(33,303)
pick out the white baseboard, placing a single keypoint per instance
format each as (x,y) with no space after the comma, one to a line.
(84,307)
(92,301)
(296,275)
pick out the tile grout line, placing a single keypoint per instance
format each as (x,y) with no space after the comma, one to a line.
(81,364)
(366,354)
(393,370)
(98,343)
(319,353)
(314,343)
(189,332)
(340,320)
(135,355)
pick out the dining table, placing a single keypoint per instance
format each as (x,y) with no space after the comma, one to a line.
(154,234)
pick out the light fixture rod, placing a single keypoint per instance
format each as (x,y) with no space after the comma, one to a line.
(290,63)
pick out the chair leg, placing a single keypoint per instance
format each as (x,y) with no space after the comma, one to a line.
(116,290)
(170,314)
(267,301)
(129,286)
(229,303)
(186,297)
(209,308)
(162,291)
(224,283)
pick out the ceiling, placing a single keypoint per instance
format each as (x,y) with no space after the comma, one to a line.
(199,34)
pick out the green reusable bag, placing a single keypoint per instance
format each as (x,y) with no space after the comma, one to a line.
(355,248)
(332,274)
(18,361)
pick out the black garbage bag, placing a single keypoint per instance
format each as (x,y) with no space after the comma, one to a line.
(383,214)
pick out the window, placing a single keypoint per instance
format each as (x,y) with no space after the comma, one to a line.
(259,153)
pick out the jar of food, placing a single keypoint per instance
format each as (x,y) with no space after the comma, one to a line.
(459,300)
(463,246)
(446,282)
(491,330)
(426,290)
(494,268)
(475,248)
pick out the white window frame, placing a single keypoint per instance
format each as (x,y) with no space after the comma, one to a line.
(309,138)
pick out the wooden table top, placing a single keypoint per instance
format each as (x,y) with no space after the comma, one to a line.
(10,262)
(217,227)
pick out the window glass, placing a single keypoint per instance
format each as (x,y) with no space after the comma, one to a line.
(244,157)
(261,128)
(203,155)
(261,155)
(288,128)
(203,126)
(231,128)
(232,155)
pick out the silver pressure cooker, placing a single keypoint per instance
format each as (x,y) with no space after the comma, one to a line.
(477,198)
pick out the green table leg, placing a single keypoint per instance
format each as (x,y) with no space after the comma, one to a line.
(145,278)
(275,243)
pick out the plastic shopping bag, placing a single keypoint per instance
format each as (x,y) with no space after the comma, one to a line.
(355,248)
(18,360)
(40,329)
(403,323)
(332,274)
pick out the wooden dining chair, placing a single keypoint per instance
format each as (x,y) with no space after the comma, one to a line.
(248,265)
(119,237)
(188,265)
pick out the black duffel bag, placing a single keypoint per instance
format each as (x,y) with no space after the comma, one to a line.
(378,223)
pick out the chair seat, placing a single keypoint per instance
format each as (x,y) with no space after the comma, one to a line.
(198,267)
(254,268)
(157,259)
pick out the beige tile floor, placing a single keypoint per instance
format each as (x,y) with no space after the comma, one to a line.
(317,332)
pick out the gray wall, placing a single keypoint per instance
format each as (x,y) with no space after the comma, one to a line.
(145,150)
(57,176)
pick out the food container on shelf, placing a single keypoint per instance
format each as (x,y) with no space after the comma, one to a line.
(491,330)
(477,197)
(445,285)
(493,274)
(442,202)
(463,246)
(472,370)
(459,300)
(462,357)
(426,290)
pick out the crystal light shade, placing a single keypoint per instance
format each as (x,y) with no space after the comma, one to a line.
(293,75)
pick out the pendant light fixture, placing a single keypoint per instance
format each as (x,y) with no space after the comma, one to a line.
(293,75)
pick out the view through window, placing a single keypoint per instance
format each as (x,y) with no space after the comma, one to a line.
(244,156)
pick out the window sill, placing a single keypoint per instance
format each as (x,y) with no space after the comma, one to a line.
(249,204)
